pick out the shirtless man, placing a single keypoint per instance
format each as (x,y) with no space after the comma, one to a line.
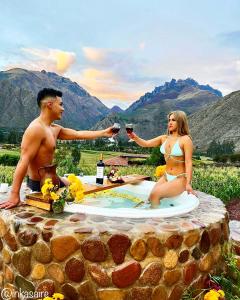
(39,142)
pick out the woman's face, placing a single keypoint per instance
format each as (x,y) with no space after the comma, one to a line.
(172,124)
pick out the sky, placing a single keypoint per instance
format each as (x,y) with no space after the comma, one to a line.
(120,49)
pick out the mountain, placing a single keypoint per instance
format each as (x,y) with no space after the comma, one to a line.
(183,90)
(116,109)
(18,93)
(149,113)
(219,121)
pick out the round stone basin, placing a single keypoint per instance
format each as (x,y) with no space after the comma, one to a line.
(130,201)
(100,257)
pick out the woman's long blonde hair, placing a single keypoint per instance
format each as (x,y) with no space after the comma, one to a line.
(182,122)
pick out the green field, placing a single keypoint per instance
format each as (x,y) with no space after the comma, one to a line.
(223,182)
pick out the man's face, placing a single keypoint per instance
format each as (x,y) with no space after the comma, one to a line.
(57,108)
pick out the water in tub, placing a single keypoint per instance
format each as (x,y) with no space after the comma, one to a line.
(122,199)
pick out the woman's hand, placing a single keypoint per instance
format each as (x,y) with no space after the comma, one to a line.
(190,190)
(132,135)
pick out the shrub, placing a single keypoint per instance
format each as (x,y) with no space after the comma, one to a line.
(9,159)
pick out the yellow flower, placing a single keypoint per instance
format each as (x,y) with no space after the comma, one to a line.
(160,170)
(71,178)
(54,196)
(214,295)
(221,293)
(57,296)
(79,196)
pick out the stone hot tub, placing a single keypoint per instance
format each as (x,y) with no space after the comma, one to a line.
(100,257)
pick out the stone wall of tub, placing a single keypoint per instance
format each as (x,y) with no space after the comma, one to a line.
(93,257)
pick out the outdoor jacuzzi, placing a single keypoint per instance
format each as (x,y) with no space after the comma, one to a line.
(101,250)
(119,202)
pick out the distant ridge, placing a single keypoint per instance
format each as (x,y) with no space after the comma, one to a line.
(172,90)
(18,91)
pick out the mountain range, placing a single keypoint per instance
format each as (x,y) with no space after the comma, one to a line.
(149,113)
(211,116)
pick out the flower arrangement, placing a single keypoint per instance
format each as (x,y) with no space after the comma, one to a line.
(72,193)
(160,170)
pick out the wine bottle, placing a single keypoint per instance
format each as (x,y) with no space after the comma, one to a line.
(100,170)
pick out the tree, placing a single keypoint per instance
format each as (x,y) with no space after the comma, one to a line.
(216,148)
(76,154)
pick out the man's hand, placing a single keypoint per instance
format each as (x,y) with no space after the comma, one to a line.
(108,132)
(13,200)
(190,190)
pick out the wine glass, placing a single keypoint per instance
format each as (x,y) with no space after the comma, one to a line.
(115,129)
(129,129)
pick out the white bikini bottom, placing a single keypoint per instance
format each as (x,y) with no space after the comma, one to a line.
(170,177)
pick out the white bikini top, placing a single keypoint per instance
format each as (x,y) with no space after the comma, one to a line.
(175,151)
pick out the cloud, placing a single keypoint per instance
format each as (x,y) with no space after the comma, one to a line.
(53,60)
(114,74)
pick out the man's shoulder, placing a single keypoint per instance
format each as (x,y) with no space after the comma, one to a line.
(34,128)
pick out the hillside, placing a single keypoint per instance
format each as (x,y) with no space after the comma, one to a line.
(219,122)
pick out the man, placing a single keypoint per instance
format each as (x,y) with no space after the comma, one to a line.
(39,142)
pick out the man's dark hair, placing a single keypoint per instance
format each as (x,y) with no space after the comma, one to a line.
(44,93)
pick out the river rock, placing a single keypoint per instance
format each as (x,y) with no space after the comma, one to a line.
(151,274)
(159,293)
(87,290)
(75,269)
(94,249)
(38,271)
(205,242)
(139,250)
(41,252)
(27,237)
(126,274)
(70,292)
(11,241)
(156,246)
(170,259)
(118,245)
(22,261)
(46,286)
(174,241)
(55,271)
(64,246)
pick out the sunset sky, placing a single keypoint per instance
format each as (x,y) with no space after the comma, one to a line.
(120,49)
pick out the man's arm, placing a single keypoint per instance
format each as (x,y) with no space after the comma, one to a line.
(30,144)
(71,134)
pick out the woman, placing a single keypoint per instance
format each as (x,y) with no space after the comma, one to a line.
(177,148)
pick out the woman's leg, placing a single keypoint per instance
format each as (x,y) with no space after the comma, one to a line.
(166,190)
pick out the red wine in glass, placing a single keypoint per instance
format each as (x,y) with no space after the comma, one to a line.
(129,129)
(115,129)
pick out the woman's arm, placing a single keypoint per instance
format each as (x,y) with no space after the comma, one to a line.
(155,142)
(188,151)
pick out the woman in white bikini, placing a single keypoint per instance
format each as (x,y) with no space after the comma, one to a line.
(177,148)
